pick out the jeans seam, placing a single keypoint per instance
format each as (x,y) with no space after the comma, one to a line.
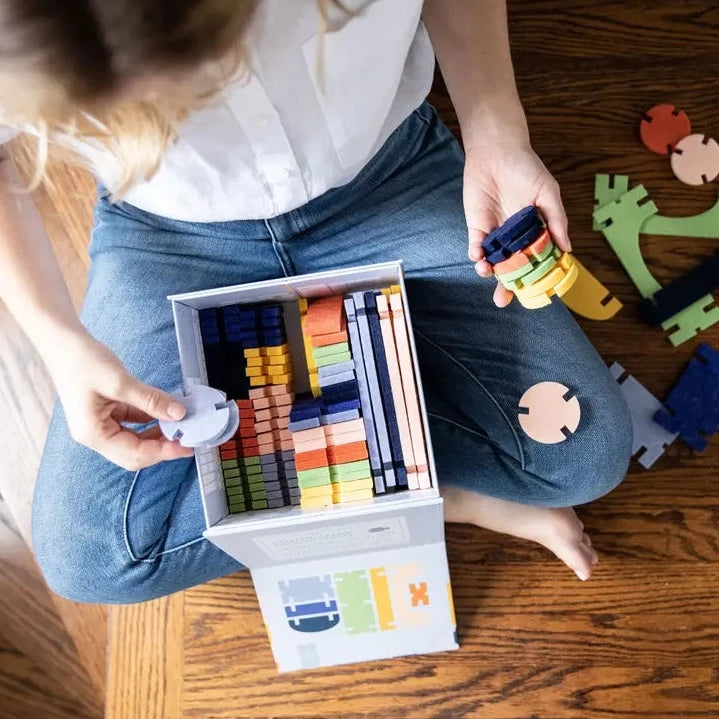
(126,536)
(278,250)
(481,385)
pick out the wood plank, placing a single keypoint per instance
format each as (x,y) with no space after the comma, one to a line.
(145,661)
(31,623)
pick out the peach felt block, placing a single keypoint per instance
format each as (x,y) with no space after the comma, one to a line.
(277,401)
(285,435)
(266,426)
(305,435)
(282,422)
(263,415)
(347,438)
(324,316)
(309,445)
(409,387)
(329,339)
(395,378)
(287,445)
(267,448)
(269,436)
(344,427)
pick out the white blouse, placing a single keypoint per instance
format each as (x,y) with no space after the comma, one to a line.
(307,116)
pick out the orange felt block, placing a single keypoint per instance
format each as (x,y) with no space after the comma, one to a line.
(324,316)
(512,263)
(247,431)
(228,454)
(538,246)
(244,404)
(342,453)
(311,460)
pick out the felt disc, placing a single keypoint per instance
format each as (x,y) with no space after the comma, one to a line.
(695,160)
(549,413)
(662,127)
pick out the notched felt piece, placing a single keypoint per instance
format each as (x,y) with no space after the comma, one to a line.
(552,413)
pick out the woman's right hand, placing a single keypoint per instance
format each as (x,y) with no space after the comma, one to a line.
(99,396)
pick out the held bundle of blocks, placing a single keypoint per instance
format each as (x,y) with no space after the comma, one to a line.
(326,488)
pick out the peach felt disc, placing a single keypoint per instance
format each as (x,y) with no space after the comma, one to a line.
(549,414)
(695,160)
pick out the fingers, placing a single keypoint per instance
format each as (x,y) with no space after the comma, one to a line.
(552,208)
(127,413)
(137,451)
(150,401)
(502,296)
(483,268)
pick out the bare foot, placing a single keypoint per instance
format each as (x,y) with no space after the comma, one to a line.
(559,530)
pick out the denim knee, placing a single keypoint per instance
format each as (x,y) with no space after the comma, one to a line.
(595,459)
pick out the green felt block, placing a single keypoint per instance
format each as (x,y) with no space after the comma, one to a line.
(537,272)
(608,188)
(350,478)
(258,492)
(233,481)
(237,508)
(338,358)
(350,468)
(249,461)
(548,251)
(235,491)
(329,350)
(700,315)
(229,473)
(229,464)
(260,504)
(254,479)
(313,477)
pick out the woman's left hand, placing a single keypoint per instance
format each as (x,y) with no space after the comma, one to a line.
(500,179)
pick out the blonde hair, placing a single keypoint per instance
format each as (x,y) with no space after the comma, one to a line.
(65,64)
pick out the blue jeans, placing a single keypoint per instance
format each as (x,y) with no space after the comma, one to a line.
(104,534)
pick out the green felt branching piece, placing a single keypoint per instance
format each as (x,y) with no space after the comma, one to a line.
(700,315)
(620,221)
(705,225)
(608,188)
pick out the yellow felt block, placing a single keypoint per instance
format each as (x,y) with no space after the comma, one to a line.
(303,305)
(256,361)
(355,485)
(353,496)
(276,369)
(315,502)
(254,371)
(259,381)
(588,296)
(274,351)
(278,359)
(253,352)
(395,289)
(278,379)
(324,490)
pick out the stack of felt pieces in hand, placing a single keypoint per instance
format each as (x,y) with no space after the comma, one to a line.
(527,262)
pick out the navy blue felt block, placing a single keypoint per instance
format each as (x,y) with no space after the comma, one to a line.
(210,338)
(240,324)
(336,407)
(517,244)
(511,228)
(271,311)
(341,388)
(385,389)
(297,414)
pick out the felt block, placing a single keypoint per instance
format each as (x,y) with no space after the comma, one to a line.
(243,404)
(255,371)
(330,350)
(263,415)
(247,431)
(353,452)
(228,454)
(315,502)
(304,424)
(536,272)
(259,381)
(349,471)
(231,472)
(324,315)
(589,298)
(311,460)
(397,390)
(313,477)
(229,464)
(360,496)
(515,225)
(307,435)
(266,426)
(276,503)
(339,378)
(347,438)
(367,383)
(260,504)
(255,361)
(249,461)
(518,262)
(355,485)
(288,456)
(385,390)
(350,427)
(340,407)
(516,242)
(320,491)
(276,350)
(233,481)
(332,338)
(338,358)
(334,369)
(237,507)
(299,413)
(410,389)
(278,360)
(268,460)
(280,379)
(286,444)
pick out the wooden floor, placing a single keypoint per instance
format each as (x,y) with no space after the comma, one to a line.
(641,639)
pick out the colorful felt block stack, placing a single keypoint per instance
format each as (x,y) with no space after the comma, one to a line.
(527,262)
(265,342)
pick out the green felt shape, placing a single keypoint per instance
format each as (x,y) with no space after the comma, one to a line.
(237,508)
(350,470)
(698,316)
(620,222)
(234,491)
(313,477)
(535,274)
(248,461)
(525,269)
(260,504)
(318,352)
(705,224)
(233,481)
(333,359)
(608,188)
(229,464)
(229,473)
(259,493)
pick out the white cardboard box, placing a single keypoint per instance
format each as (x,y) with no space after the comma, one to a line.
(344,583)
